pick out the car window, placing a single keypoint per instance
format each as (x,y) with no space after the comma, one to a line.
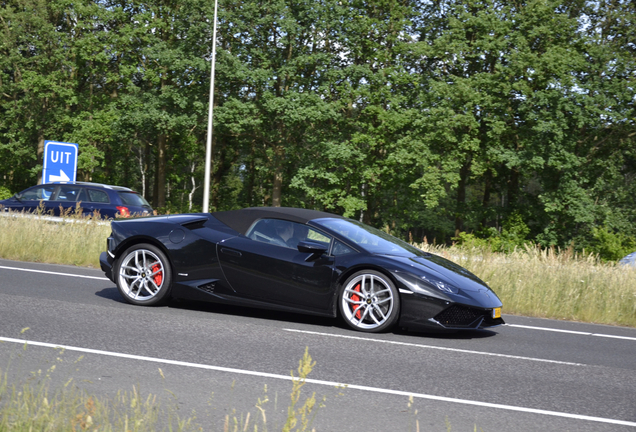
(340,249)
(285,233)
(371,239)
(38,193)
(132,199)
(68,193)
(97,196)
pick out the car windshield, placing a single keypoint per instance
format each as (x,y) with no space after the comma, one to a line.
(368,238)
(133,199)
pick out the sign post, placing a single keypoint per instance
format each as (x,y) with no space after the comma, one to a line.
(60,162)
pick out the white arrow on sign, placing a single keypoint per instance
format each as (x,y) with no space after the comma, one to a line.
(61,178)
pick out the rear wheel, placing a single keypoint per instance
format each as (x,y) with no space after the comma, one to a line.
(143,275)
(369,301)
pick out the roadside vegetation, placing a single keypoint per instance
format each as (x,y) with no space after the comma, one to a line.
(431,117)
(37,403)
(77,240)
(531,281)
(552,283)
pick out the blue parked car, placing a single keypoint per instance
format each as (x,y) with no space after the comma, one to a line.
(57,198)
(629,260)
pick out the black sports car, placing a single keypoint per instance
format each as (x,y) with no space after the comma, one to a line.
(299,261)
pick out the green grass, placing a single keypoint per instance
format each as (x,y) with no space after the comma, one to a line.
(533,282)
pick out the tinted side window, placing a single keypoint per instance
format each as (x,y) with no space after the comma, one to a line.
(38,193)
(68,193)
(285,233)
(340,248)
(97,196)
(132,199)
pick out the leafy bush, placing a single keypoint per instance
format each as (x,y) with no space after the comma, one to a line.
(512,236)
(5,193)
(611,246)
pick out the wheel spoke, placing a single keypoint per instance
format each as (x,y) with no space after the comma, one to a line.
(351,301)
(379,310)
(353,292)
(135,269)
(364,315)
(139,282)
(150,282)
(159,270)
(384,300)
(356,310)
(382,292)
(362,285)
(372,315)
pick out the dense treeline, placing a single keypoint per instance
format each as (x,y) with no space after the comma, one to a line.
(512,120)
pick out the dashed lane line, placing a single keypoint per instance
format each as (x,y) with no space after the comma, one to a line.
(330,383)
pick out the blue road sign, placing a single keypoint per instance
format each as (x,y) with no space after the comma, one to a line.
(60,162)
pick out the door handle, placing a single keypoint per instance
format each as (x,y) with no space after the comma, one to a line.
(231,252)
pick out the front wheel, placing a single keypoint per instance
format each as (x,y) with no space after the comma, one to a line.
(369,302)
(143,275)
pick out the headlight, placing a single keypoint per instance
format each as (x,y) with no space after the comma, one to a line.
(440,285)
(427,286)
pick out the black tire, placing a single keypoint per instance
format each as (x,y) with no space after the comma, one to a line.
(143,275)
(368,301)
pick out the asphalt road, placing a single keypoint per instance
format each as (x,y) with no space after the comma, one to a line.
(530,375)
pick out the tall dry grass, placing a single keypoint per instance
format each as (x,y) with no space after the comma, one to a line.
(78,240)
(537,282)
(553,283)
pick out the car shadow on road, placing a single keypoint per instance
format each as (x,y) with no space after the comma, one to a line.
(251,312)
(111,294)
(448,334)
(323,322)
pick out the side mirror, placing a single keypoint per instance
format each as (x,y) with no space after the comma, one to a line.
(315,249)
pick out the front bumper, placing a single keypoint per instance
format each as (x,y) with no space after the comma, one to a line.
(426,313)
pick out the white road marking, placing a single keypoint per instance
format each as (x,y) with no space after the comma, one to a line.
(572,332)
(327,383)
(502,355)
(435,347)
(53,273)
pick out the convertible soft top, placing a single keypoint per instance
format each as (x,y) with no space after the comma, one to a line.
(242,220)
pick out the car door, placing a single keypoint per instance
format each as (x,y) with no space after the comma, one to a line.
(65,200)
(29,200)
(96,200)
(259,269)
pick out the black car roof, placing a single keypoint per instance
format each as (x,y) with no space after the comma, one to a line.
(242,220)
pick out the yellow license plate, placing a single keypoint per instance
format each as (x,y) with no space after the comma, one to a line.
(496,313)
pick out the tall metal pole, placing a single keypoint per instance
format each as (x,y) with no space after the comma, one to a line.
(208,144)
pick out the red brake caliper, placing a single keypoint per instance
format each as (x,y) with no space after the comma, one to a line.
(159,276)
(356,298)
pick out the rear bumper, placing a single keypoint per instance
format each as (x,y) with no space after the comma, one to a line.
(106,264)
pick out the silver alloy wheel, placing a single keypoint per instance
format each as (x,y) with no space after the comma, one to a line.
(141,275)
(367,301)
